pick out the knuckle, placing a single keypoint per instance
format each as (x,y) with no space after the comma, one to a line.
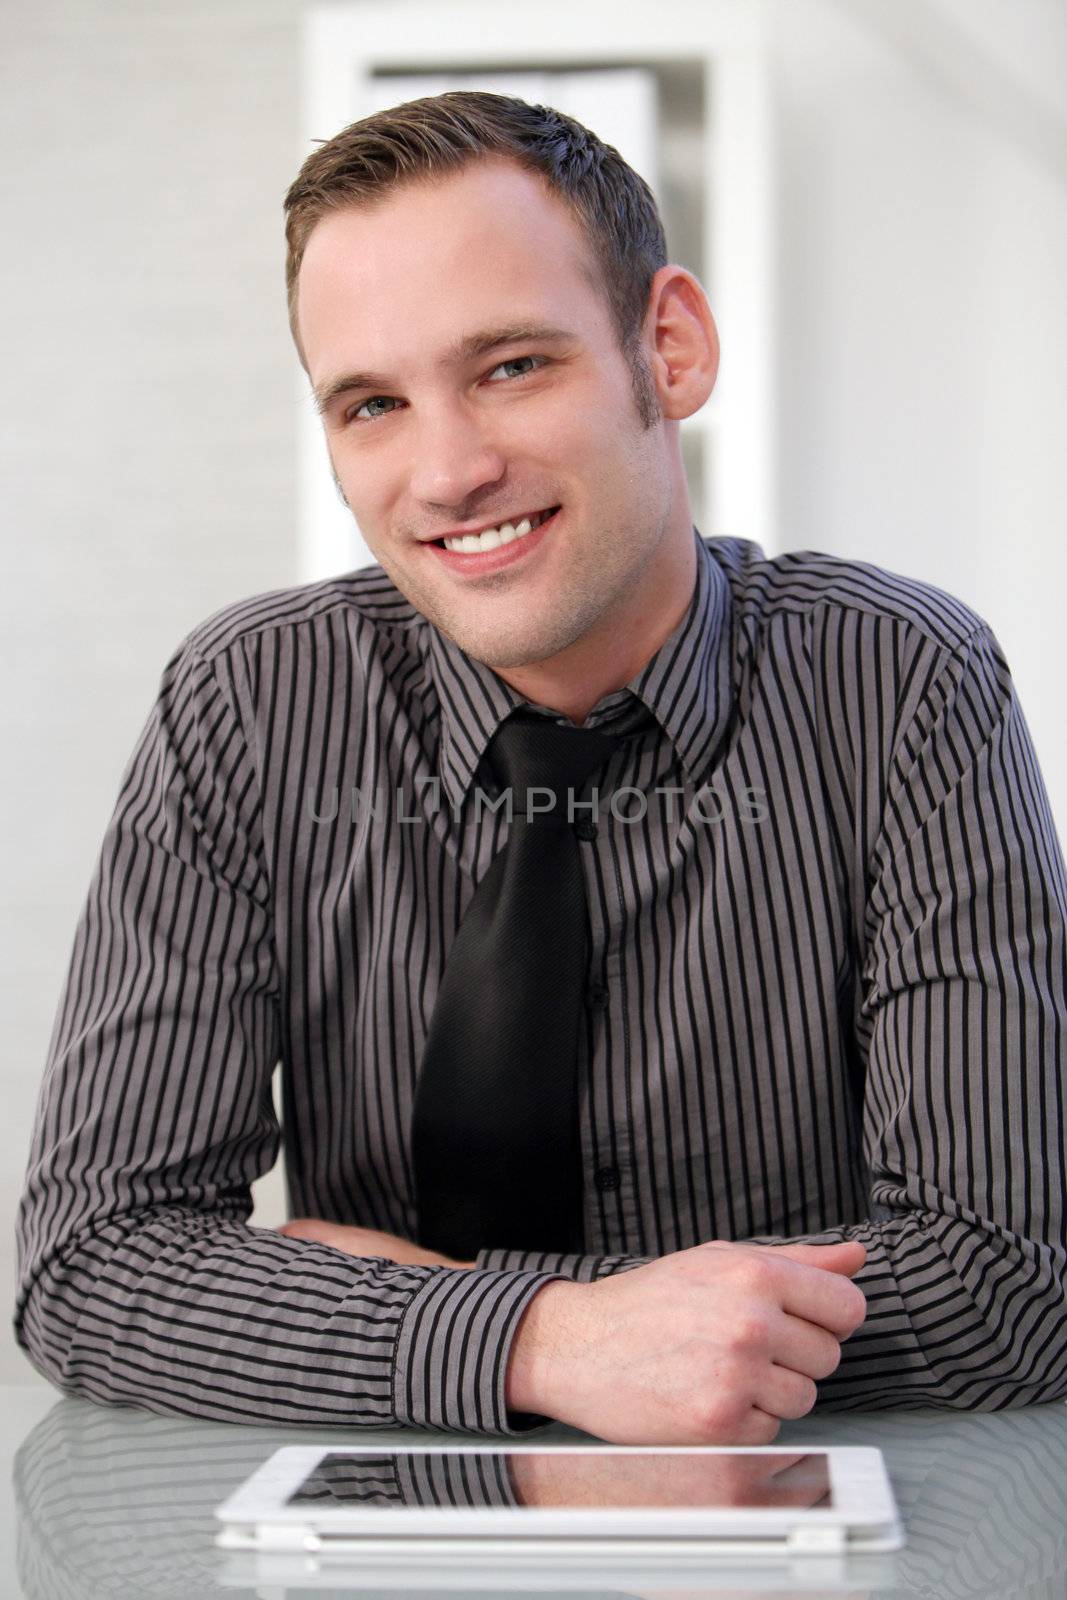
(752,1272)
(749,1330)
(721,1416)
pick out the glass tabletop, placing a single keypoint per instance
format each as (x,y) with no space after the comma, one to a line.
(107,1501)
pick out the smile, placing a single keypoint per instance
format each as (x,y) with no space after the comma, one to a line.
(492,538)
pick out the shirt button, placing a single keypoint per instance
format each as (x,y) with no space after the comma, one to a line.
(585,829)
(597,995)
(606,1178)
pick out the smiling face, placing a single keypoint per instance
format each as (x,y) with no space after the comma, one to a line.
(469,375)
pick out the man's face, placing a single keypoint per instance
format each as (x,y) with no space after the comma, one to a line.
(449,435)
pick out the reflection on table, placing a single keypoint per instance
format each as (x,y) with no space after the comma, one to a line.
(114,1501)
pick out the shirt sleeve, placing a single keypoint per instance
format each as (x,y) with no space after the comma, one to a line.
(139,1279)
(963,1026)
(963,1031)
(580,1268)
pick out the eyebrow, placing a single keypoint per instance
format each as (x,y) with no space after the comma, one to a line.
(469,348)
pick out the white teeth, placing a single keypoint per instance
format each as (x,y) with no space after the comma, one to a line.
(468,543)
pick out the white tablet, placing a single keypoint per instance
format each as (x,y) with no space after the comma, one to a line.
(599,1498)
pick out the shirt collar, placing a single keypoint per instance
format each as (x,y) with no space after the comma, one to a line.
(686,686)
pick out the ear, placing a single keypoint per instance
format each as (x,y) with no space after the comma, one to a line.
(336,479)
(682,341)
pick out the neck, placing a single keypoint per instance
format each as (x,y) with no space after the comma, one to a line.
(615,650)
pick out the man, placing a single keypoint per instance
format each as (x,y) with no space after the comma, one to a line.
(733,1083)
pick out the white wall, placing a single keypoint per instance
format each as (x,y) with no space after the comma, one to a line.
(922,340)
(146,426)
(148,410)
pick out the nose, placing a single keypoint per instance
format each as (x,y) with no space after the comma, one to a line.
(453,457)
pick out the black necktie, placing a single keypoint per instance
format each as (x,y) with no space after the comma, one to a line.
(495,1133)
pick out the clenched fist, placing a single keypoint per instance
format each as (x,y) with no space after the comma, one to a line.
(711,1345)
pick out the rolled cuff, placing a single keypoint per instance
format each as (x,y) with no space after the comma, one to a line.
(451,1355)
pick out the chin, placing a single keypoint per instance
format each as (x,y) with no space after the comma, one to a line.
(505,651)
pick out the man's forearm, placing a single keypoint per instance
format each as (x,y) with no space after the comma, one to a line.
(956,1317)
(198,1314)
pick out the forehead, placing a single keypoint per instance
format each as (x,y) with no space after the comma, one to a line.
(433,258)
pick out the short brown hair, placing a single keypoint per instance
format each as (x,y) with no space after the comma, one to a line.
(613,204)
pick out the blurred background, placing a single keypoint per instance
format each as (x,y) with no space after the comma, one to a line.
(873,192)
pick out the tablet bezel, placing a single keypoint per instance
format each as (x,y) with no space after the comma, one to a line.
(864,1509)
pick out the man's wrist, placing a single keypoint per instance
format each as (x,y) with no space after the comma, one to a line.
(538,1369)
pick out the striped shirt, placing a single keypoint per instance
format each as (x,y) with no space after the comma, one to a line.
(827,996)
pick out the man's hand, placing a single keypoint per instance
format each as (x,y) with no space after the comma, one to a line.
(366,1242)
(711,1345)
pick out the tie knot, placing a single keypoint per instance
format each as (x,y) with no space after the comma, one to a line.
(528,751)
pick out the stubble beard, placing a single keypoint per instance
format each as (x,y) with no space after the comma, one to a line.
(502,644)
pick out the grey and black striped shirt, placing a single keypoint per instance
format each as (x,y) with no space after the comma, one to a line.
(827,998)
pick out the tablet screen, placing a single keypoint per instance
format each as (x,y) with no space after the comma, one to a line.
(562,1479)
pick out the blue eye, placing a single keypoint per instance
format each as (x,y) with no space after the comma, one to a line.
(368,410)
(515,361)
(375,399)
